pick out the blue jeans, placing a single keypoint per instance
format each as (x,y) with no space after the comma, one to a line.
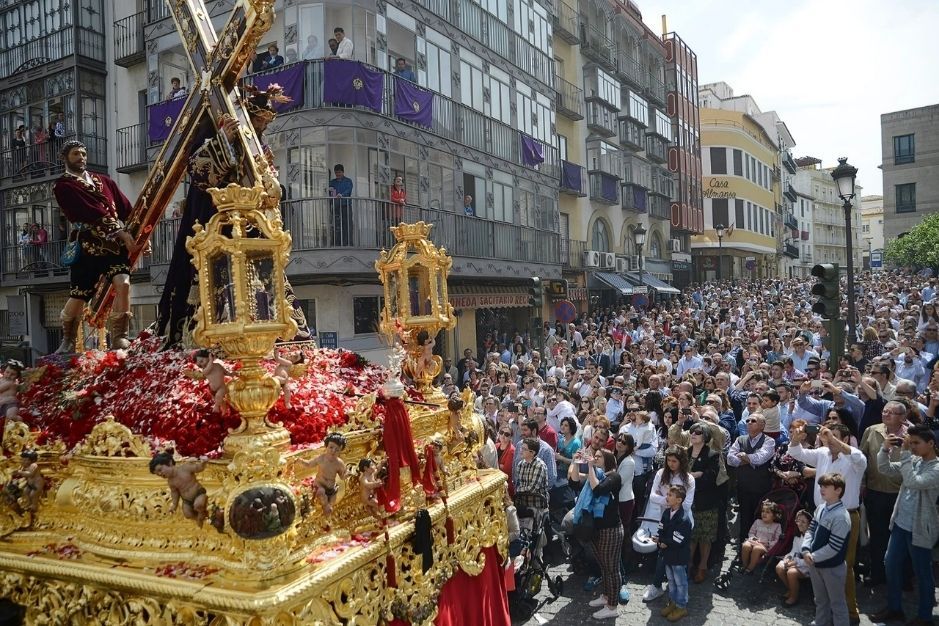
(901,544)
(677,584)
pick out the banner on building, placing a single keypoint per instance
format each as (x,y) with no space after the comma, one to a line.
(161,118)
(352,83)
(290,80)
(413,104)
(532,151)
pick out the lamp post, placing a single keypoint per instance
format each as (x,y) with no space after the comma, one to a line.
(719,228)
(639,236)
(844,176)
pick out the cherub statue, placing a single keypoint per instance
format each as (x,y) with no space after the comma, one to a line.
(455,407)
(329,466)
(369,484)
(434,469)
(285,364)
(214,373)
(183,484)
(34,486)
(9,384)
(425,364)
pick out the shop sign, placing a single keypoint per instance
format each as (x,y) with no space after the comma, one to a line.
(578,294)
(680,266)
(16,312)
(557,289)
(327,339)
(719,188)
(489,300)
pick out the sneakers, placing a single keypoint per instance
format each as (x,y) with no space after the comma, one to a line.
(598,601)
(676,614)
(668,608)
(652,593)
(605,613)
(592,583)
(623,595)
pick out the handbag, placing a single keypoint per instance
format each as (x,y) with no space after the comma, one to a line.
(72,252)
(584,529)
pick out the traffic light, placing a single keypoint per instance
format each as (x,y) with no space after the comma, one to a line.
(828,290)
(828,305)
(535,293)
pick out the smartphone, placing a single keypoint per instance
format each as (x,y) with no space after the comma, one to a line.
(817,384)
(582,468)
(686,411)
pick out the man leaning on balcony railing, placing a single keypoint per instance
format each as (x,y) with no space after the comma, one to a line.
(340,188)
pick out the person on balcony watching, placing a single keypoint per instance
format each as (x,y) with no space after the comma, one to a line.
(341,187)
(177,90)
(344,45)
(402,70)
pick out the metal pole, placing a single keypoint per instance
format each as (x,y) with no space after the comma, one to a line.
(720,258)
(639,247)
(849,237)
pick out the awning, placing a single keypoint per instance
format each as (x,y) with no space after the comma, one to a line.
(615,282)
(652,281)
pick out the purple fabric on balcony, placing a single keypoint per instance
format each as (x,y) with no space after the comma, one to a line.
(291,79)
(353,83)
(640,198)
(161,118)
(412,103)
(532,151)
(608,187)
(571,176)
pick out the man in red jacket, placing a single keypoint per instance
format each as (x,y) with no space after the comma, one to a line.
(96,209)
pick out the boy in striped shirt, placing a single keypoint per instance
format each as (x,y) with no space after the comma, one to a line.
(824,548)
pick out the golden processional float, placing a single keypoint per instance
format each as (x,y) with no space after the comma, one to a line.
(94,534)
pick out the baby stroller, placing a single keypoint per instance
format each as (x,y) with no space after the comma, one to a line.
(789,501)
(648,528)
(530,570)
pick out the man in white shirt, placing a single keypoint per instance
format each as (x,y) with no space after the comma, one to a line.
(835,455)
(800,356)
(690,361)
(558,409)
(344,51)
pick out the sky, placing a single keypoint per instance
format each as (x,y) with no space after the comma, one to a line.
(829,69)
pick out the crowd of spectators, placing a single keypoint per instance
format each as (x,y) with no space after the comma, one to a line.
(717,400)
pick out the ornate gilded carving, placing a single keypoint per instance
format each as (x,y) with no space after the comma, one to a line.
(109,438)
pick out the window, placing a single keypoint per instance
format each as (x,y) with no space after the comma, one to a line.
(738,217)
(471,86)
(738,163)
(638,108)
(866,228)
(719,212)
(906,198)
(663,126)
(309,312)
(655,248)
(903,150)
(719,162)
(600,239)
(365,315)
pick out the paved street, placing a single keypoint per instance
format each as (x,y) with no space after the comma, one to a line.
(748,602)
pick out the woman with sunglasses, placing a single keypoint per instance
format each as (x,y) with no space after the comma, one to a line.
(704,469)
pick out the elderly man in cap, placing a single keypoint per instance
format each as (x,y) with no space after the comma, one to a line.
(96,209)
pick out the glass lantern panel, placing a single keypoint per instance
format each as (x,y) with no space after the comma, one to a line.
(262,297)
(392,304)
(419,290)
(221,289)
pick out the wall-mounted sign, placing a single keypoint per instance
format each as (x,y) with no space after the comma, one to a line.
(557,289)
(489,300)
(328,339)
(719,188)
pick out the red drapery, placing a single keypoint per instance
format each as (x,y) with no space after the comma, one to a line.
(474,600)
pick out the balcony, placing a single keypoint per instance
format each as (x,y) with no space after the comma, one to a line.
(660,207)
(630,71)
(157,10)
(789,192)
(132,145)
(634,198)
(39,161)
(632,134)
(451,121)
(595,45)
(604,188)
(656,148)
(776,173)
(789,163)
(791,222)
(791,251)
(129,40)
(573,179)
(39,51)
(438,7)
(662,182)
(326,225)
(565,22)
(570,99)
(572,253)
(600,120)
(656,90)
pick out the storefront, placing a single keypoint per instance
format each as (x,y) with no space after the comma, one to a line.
(486,315)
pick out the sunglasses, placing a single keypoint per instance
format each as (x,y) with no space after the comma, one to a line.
(506,433)
(750,421)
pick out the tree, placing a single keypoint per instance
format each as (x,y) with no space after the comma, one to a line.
(918,248)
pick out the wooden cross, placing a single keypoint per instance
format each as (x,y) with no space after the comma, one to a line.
(216,63)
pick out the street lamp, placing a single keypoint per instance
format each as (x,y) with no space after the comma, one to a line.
(639,236)
(844,176)
(720,250)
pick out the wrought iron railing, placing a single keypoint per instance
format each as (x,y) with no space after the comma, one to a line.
(570,99)
(565,21)
(572,253)
(132,147)
(128,39)
(41,159)
(45,49)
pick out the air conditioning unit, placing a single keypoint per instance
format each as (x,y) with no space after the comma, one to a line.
(591,258)
(622,265)
(675,244)
(634,263)
(607,260)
